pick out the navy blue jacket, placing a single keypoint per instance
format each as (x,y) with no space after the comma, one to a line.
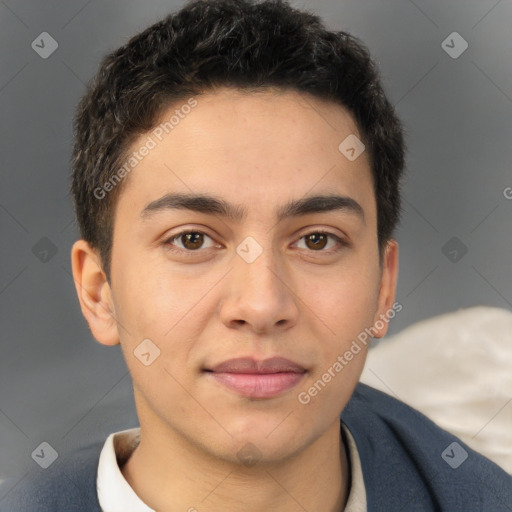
(408,462)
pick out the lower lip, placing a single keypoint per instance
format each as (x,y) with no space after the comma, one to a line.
(258,385)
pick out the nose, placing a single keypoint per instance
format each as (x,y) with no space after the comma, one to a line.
(259,294)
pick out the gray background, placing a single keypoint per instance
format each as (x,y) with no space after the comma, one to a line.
(57,384)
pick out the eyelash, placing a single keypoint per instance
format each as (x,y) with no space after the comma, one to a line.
(187,252)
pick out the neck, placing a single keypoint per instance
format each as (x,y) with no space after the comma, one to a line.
(170,474)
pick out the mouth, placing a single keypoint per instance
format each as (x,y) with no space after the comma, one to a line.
(253,378)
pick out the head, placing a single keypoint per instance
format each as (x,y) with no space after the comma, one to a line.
(251,104)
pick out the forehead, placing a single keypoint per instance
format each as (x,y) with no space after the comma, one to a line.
(252,148)
(256,118)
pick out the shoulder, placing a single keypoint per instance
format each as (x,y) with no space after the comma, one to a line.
(68,485)
(407,460)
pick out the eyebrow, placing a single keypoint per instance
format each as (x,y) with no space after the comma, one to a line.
(212,205)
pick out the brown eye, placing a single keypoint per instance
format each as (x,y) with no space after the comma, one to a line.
(188,241)
(192,240)
(316,240)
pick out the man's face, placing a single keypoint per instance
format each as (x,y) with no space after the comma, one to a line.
(250,287)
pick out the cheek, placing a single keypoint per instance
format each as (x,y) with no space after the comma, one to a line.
(345,300)
(167,310)
(147,300)
(346,306)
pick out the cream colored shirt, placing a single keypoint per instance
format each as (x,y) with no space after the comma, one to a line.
(116,495)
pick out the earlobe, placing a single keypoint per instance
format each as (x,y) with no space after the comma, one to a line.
(389,276)
(94,293)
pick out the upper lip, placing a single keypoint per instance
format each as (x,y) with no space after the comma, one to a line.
(251,365)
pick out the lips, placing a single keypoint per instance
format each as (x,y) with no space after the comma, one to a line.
(253,366)
(252,378)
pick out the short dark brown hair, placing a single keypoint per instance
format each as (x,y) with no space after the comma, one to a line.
(236,43)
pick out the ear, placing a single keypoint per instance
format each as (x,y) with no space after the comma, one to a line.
(94,293)
(389,276)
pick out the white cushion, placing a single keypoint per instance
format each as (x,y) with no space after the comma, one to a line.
(456,369)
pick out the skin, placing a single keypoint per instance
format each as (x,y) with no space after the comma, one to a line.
(304,302)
